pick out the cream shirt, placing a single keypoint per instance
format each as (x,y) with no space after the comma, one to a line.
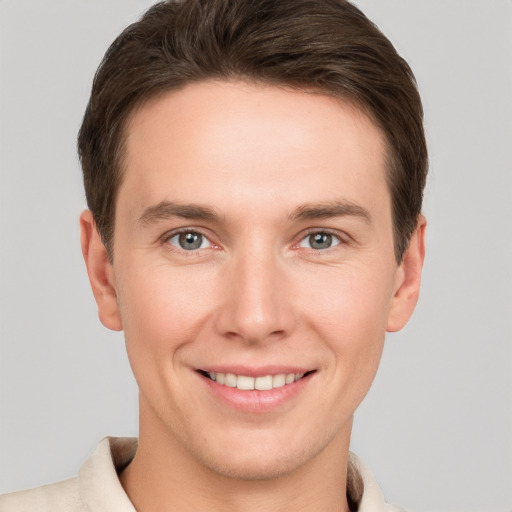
(97,487)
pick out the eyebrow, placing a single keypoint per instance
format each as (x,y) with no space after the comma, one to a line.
(167,209)
(340,208)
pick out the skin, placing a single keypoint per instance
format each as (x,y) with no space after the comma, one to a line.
(267,167)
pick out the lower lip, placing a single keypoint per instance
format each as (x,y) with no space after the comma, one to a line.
(255,401)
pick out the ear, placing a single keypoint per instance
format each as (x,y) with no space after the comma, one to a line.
(408,280)
(101,273)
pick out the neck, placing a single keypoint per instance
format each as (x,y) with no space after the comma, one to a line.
(165,476)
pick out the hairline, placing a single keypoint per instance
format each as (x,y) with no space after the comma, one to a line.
(131,111)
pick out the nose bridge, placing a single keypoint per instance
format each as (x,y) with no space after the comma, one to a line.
(257,301)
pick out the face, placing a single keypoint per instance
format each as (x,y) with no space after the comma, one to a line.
(254,273)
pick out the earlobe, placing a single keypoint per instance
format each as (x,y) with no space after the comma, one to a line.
(101,273)
(408,280)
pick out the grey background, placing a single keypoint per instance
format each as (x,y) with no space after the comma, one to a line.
(436,428)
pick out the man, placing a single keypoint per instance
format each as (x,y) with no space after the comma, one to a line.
(254,173)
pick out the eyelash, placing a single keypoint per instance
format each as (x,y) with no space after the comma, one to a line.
(319,231)
(165,239)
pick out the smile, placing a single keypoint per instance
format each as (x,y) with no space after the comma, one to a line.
(261,383)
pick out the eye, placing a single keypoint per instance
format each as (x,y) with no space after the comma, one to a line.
(189,241)
(320,241)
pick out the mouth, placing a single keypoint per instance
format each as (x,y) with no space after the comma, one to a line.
(259,383)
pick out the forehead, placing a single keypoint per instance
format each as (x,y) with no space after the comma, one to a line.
(253,140)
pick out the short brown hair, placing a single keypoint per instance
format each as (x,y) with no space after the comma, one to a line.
(323,45)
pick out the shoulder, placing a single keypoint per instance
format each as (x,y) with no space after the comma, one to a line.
(97,486)
(59,497)
(365,491)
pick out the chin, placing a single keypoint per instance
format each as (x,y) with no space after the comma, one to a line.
(259,460)
(255,468)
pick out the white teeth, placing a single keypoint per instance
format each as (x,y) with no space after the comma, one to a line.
(262,383)
(278,381)
(230,380)
(243,382)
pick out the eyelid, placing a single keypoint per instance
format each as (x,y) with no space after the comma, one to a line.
(164,239)
(343,238)
(205,242)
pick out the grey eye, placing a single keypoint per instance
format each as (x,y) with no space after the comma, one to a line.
(189,241)
(320,241)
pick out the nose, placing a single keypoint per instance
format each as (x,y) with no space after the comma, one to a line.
(256,300)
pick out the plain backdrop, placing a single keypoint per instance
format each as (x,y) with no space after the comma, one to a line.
(436,428)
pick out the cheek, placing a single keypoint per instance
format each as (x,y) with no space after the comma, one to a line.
(349,299)
(349,313)
(162,310)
